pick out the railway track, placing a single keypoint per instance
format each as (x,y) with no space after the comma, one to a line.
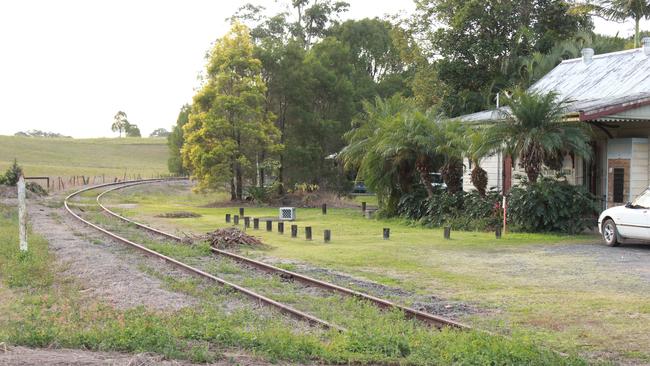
(430,319)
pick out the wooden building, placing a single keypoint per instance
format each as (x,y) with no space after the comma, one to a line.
(611,93)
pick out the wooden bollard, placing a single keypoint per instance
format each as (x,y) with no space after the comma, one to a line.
(327,235)
(256,223)
(324,208)
(447,233)
(235,219)
(269,225)
(227,218)
(386,233)
(294,231)
(497,232)
(247,222)
(308,232)
(281,227)
(363,207)
(241,211)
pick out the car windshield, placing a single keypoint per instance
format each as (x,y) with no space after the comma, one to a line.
(643,200)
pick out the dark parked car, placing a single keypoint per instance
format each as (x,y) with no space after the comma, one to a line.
(359,187)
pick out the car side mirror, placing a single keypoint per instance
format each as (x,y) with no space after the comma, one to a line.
(628,205)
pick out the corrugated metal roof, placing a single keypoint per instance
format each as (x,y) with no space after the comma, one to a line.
(482,116)
(615,74)
(617,79)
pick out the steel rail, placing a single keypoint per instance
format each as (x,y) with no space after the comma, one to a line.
(431,319)
(192,270)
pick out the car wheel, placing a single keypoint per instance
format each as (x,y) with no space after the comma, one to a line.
(610,234)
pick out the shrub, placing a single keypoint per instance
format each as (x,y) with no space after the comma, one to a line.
(552,205)
(461,210)
(36,188)
(259,194)
(12,174)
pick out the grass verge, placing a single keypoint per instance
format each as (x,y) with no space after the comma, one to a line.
(43,308)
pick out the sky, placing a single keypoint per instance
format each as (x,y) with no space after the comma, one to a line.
(68,66)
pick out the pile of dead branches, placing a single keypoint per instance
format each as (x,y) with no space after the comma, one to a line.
(231,238)
(178,215)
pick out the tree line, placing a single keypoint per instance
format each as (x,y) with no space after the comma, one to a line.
(301,96)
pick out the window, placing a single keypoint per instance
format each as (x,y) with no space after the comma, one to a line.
(619,184)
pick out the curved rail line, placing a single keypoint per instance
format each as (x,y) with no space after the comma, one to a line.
(437,321)
(192,270)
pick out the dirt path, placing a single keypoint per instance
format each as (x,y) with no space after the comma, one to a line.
(18,356)
(106,270)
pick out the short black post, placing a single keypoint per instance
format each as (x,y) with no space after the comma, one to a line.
(308,232)
(241,211)
(497,232)
(269,225)
(281,227)
(324,208)
(294,231)
(327,235)
(247,222)
(227,218)
(256,223)
(447,232)
(235,219)
(386,233)
(363,207)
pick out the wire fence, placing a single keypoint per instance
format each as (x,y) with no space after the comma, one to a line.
(62,183)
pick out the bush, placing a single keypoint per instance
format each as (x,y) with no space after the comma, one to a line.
(13,173)
(36,189)
(552,205)
(462,210)
(259,194)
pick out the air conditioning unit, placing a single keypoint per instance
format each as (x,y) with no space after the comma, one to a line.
(287,213)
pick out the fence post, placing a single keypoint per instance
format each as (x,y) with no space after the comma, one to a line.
(22,214)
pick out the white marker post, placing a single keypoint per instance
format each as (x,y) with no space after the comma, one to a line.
(505,213)
(22,214)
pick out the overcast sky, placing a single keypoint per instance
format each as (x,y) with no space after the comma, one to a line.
(69,66)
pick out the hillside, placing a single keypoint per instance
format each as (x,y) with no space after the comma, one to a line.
(65,157)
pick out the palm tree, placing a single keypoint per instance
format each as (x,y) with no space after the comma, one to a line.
(451,145)
(534,131)
(360,154)
(390,142)
(618,10)
(475,152)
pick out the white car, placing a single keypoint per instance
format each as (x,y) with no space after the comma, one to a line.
(631,221)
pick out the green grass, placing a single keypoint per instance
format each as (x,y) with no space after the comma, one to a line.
(566,301)
(89,157)
(43,308)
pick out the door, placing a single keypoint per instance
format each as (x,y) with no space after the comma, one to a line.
(618,182)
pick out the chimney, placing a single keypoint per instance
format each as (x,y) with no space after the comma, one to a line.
(646,45)
(587,55)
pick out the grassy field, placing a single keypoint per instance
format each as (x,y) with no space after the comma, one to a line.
(89,157)
(531,284)
(41,307)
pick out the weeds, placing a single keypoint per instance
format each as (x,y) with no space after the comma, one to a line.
(49,312)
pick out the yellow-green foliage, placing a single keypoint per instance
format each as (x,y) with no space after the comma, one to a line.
(228,128)
(64,156)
